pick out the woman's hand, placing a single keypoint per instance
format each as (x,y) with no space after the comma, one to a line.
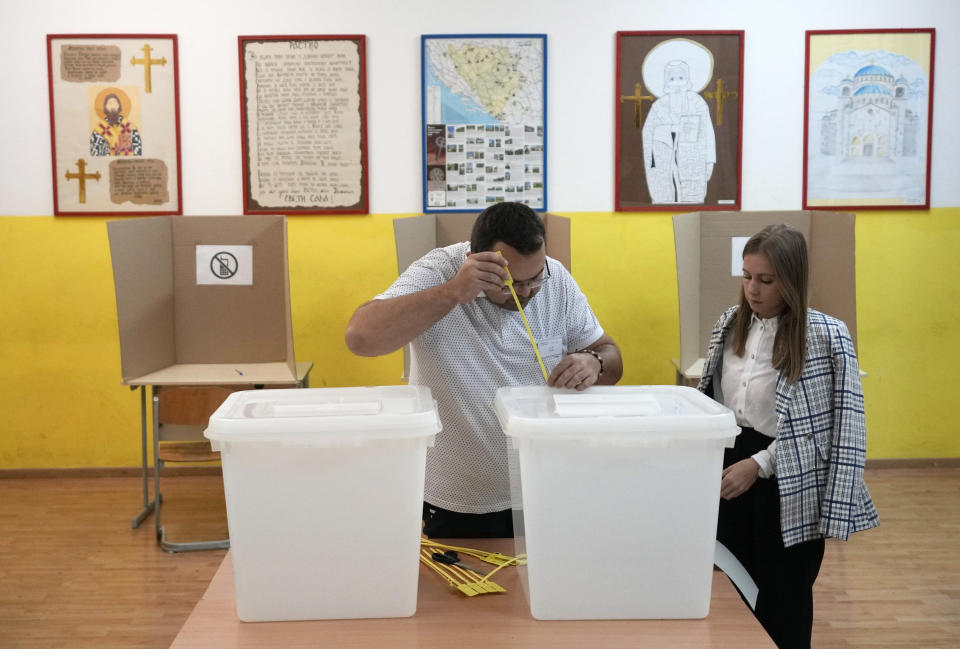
(738,478)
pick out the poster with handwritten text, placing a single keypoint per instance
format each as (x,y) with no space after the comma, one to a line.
(303,121)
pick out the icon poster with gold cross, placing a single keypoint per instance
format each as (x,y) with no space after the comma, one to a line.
(114,124)
(678,120)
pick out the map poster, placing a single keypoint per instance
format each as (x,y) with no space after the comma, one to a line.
(484,121)
(304,126)
(679,108)
(115,124)
(867,119)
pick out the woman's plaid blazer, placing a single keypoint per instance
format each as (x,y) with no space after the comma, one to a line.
(821,433)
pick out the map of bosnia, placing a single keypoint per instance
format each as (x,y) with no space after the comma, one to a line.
(503,78)
(484,134)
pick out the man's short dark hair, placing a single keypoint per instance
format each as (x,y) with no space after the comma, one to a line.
(515,224)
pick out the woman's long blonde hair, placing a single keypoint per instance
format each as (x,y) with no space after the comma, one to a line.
(786,249)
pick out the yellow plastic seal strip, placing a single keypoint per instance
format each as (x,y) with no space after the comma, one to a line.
(526,324)
(465,581)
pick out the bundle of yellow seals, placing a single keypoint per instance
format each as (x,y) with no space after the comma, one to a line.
(444,560)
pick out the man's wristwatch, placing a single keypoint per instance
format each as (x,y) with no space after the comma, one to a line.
(595,355)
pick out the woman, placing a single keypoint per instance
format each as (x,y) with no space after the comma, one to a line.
(795,475)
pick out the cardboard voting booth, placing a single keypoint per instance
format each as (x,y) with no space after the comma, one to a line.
(200,298)
(417,235)
(709,248)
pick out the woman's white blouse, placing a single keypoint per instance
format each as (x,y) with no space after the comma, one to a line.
(749,386)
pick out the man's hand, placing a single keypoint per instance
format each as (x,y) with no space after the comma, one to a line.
(577,371)
(737,478)
(482,271)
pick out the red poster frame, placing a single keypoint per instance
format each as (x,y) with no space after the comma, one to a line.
(619,107)
(178,210)
(853,205)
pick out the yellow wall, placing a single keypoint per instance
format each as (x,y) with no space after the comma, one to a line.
(62,404)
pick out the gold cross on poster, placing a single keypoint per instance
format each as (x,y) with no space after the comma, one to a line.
(638,98)
(146,62)
(719,96)
(82,177)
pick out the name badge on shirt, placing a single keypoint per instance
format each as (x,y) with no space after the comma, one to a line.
(551,350)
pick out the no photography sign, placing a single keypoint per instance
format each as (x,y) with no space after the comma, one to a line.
(231,265)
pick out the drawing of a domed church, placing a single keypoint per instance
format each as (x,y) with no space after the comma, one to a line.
(872,120)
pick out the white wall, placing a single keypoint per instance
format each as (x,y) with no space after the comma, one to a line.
(581,49)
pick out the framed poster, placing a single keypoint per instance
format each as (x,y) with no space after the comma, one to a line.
(303,121)
(679,117)
(868,106)
(114,123)
(484,130)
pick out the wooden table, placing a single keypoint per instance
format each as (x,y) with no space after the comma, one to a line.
(445,619)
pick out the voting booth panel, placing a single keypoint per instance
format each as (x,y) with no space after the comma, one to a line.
(417,235)
(199,297)
(203,307)
(709,248)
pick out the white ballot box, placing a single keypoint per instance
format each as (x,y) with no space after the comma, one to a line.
(616,491)
(324,493)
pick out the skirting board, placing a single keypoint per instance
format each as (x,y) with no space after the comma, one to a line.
(107,472)
(914,463)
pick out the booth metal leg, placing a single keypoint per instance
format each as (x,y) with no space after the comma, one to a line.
(148,505)
(191,546)
(157,496)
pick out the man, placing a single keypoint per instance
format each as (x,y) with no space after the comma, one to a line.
(467,339)
(113,135)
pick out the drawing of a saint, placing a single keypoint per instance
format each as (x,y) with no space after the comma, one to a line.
(114,134)
(679,147)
